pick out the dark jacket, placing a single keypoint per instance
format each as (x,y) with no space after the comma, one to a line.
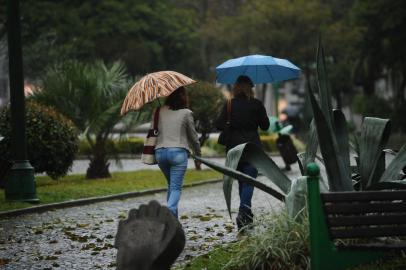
(246,116)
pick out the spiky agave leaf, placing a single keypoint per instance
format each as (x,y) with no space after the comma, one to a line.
(257,157)
(394,168)
(337,174)
(311,148)
(253,154)
(374,136)
(341,132)
(324,86)
(234,174)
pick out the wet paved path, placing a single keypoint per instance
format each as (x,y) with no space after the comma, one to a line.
(82,237)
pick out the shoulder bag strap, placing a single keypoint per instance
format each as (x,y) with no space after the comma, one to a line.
(228,122)
(156,118)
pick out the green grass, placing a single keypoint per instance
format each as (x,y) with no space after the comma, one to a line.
(213,260)
(275,242)
(73,187)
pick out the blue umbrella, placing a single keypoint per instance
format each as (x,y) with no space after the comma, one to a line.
(260,69)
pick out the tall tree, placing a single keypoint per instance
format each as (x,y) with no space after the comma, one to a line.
(382,46)
(145,35)
(281,29)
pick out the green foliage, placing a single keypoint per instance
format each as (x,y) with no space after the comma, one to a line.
(91,96)
(205,101)
(373,106)
(214,146)
(51,139)
(132,146)
(293,40)
(145,35)
(254,155)
(278,242)
(332,133)
(275,242)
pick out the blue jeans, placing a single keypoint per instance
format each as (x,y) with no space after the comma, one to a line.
(173,163)
(245,190)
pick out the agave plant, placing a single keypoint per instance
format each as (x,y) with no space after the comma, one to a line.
(370,172)
(328,130)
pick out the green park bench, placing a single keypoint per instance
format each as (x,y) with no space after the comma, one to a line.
(370,217)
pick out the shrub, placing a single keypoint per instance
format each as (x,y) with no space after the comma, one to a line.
(131,146)
(372,106)
(51,139)
(269,142)
(206,100)
(212,144)
(278,242)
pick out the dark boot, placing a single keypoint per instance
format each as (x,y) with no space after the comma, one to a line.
(244,219)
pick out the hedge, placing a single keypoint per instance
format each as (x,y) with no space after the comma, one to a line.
(133,146)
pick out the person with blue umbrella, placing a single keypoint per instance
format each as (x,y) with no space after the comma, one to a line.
(240,118)
(259,68)
(242,115)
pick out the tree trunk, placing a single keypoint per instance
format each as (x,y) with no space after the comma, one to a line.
(203,138)
(338,99)
(368,84)
(99,165)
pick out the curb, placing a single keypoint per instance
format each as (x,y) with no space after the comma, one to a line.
(80,202)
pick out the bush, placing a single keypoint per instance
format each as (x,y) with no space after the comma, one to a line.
(278,242)
(269,142)
(372,106)
(212,148)
(212,144)
(206,101)
(51,139)
(132,146)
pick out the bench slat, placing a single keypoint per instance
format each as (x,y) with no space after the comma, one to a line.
(359,208)
(374,246)
(396,219)
(364,196)
(362,232)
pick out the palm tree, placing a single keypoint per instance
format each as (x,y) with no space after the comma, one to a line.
(91,96)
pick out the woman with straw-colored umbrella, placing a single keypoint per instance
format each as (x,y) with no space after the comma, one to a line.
(177,135)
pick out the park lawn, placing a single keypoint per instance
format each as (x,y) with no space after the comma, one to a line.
(73,187)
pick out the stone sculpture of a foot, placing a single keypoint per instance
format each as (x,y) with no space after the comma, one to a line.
(151,238)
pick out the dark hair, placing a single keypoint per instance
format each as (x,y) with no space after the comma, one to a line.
(178,99)
(243,87)
(244,80)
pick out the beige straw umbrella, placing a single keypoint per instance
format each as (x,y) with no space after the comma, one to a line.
(153,86)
